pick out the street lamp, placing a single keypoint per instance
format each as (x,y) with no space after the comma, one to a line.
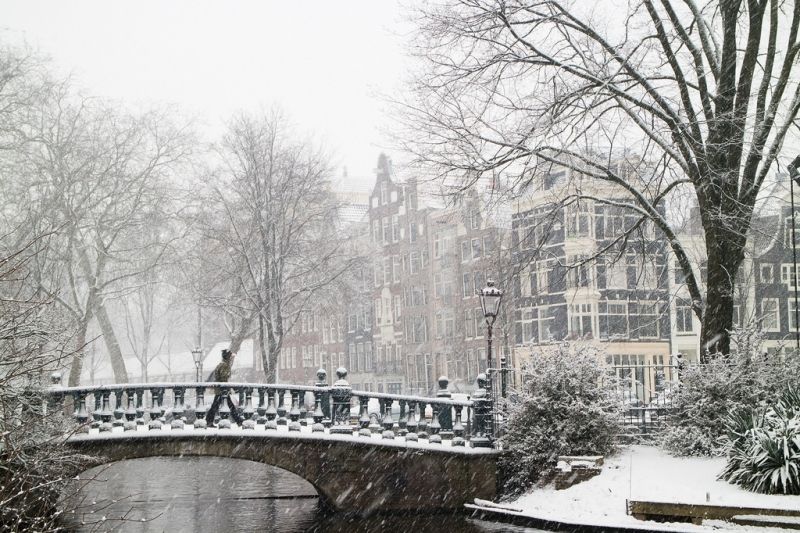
(197,356)
(794,175)
(490,303)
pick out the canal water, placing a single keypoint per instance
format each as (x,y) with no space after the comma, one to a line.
(205,494)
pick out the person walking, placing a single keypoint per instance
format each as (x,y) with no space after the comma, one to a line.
(222,373)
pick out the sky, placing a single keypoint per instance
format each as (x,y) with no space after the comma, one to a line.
(326,64)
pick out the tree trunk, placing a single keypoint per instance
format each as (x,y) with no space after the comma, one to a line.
(725,253)
(112,344)
(80,345)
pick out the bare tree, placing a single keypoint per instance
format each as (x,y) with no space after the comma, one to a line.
(647,97)
(100,176)
(270,232)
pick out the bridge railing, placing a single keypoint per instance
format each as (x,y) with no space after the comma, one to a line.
(335,409)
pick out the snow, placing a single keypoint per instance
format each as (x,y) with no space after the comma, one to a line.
(650,474)
(305,433)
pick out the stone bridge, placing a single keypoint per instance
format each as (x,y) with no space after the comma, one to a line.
(362,451)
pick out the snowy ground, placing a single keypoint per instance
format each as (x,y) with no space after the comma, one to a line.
(646,473)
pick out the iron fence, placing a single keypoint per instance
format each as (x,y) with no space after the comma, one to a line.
(645,392)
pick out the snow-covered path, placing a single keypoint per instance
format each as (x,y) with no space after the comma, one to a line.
(646,473)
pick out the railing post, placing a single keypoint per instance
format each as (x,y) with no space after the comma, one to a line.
(458,427)
(294,412)
(482,412)
(130,412)
(224,410)
(402,422)
(119,412)
(363,420)
(96,411)
(388,421)
(434,436)
(325,397)
(177,408)
(411,425)
(281,408)
(106,415)
(301,402)
(81,415)
(140,407)
(271,412)
(200,408)
(248,412)
(341,393)
(155,409)
(445,411)
(262,408)
(422,425)
(318,416)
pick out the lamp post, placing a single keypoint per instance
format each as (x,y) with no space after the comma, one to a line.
(197,356)
(490,304)
(794,175)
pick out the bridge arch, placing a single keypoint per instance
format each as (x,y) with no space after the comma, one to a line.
(348,474)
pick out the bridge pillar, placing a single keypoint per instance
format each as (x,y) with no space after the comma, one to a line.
(341,393)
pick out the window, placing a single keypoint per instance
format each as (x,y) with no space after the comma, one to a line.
(580,320)
(378,312)
(469,324)
(386,236)
(476,248)
(770,315)
(395,228)
(616,275)
(614,224)
(683,315)
(766,274)
(387,270)
(578,274)
(792,315)
(376,231)
(438,289)
(680,276)
(384,195)
(465,253)
(478,281)
(480,321)
(543,277)
(488,245)
(437,246)
(577,220)
(353,359)
(475,219)
(648,320)
(787,237)
(414,263)
(530,326)
(787,275)
(362,362)
(466,285)
(613,319)
(397,308)
(412,231)
(395,268)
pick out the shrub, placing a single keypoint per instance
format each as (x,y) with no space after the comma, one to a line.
(708,393)
(562,409)
(763,447)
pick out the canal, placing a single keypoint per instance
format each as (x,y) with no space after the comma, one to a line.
(208,494)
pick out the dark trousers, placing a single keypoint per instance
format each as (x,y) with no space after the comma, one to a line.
(212,411)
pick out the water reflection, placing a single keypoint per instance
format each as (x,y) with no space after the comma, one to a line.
(204,494)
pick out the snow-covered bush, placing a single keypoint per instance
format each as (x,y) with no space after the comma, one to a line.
(708,393)
(763,446)
(563,408)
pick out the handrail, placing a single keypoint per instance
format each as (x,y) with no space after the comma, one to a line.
(426,399)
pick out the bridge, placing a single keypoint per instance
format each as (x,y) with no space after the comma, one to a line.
(362,451)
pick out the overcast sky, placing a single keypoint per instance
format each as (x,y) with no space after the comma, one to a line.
(323,62)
